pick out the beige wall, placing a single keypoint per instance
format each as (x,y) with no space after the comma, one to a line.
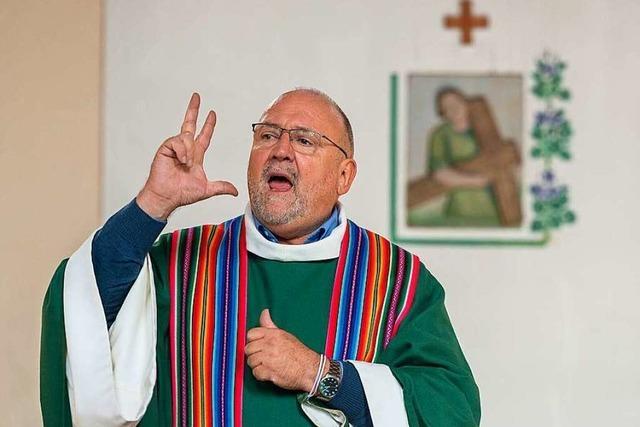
(49,170)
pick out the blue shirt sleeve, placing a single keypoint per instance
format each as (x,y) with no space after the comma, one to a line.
(351,398)
(118,251)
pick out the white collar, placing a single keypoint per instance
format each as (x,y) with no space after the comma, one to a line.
(327,248)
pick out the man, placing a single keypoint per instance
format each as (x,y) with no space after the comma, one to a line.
(288,315)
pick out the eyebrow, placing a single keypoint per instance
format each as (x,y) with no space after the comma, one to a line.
(294,128)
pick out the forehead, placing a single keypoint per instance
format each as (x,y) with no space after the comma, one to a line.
(304,110)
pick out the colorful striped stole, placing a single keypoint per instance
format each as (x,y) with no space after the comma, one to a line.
(208,292)
(373,291)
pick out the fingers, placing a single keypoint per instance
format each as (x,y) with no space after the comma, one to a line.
(253,347)
(255,334)
(215,188)
(254,361)
(191,116)
(261,373)
(204,137)
(182,148)
(256,356)
(189,144)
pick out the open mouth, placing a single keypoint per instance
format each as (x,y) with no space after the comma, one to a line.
(279,182)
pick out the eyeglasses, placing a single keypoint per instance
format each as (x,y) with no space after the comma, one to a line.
(304,141)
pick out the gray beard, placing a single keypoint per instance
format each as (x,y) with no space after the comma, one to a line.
(260,200)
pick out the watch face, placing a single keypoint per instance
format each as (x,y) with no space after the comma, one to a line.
(328,387)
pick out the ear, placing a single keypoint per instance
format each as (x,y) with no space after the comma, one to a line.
(348,170)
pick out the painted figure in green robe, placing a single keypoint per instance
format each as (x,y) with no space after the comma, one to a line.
(265,319)
(470,202)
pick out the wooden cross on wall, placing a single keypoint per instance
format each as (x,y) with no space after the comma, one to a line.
(466,22)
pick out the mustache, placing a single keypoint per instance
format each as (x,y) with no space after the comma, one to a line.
(286,170)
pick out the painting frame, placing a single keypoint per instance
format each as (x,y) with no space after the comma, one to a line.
(401,232)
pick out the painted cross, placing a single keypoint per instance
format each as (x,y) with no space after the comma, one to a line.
(496,160)
(466,22)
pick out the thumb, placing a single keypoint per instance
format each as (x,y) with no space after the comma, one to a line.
(265,320)
(215,188)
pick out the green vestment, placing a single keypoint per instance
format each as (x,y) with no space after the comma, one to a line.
(424,356)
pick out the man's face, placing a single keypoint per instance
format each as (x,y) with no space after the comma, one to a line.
(293,193)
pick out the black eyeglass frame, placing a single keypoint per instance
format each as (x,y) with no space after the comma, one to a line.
(283,130)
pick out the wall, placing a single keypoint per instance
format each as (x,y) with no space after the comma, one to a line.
(551,333)
(49,142)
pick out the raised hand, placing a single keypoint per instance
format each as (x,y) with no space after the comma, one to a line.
(177,177)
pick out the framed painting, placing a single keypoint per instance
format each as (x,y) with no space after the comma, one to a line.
(459,159)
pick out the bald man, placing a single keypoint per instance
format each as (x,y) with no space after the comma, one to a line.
(289,314)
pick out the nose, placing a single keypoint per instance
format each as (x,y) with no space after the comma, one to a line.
(283,150)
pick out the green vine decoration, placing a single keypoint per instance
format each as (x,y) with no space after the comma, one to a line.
(552,133)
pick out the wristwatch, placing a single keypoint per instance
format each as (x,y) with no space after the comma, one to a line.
(329,384)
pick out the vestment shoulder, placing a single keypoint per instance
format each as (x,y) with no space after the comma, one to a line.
(181,235)
(388,241)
